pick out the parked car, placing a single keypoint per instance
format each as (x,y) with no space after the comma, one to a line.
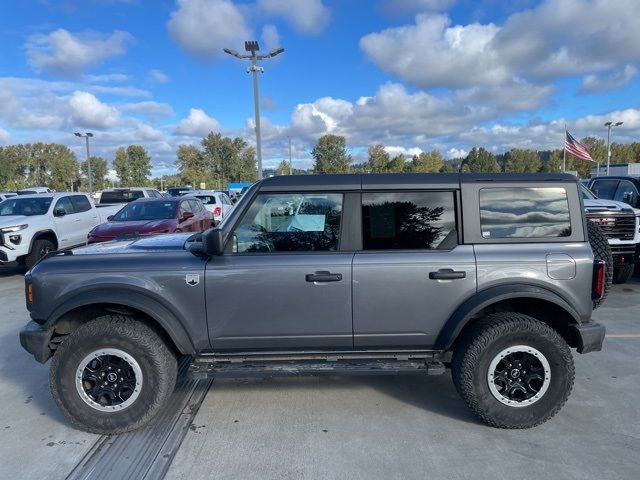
(218,203)
(624,189)
(33,225)
(5,195)
(358,274)
(122,196)
(148,216)
(34,190)
(621,224)
(179,191)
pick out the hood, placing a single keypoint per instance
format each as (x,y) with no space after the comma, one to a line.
(606,206)
(142,227)
(156,243)
(11,220)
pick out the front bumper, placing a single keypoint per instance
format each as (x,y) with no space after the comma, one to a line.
(589,337)
(34,338)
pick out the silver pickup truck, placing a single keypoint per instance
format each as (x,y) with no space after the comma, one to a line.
(490,275)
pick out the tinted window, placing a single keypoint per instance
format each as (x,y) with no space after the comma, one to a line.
(123,196)
(587,194)
(627,193)
(156,210)
(64,204)
(81,203)
(25,206)
(406,220)
(605,188)
(291,223)
(524,212)
(195,206)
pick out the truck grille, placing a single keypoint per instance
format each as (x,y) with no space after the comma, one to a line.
(622,227)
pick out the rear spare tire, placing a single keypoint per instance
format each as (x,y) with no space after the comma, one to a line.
(601,251)
(112,375)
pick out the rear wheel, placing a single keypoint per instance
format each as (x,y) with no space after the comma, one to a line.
(38,250)
(513,371)
(601,251)
(622,273)
(112,375)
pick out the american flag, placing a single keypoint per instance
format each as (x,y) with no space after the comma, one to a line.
(575,148)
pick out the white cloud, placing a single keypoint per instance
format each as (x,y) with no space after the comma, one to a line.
(88,111)
(406,6)
(204,27)
(150,108)
(456,153)
(305,16)
(4,136)
(270,38)
(158,76)
(147,132)
(610,81)
(108,77)
(197,124)
(541,43)
(394,150)
(64,53)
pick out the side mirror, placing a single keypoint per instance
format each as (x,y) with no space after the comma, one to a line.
(186,216)
(59,212)
(109,218)
(213,242)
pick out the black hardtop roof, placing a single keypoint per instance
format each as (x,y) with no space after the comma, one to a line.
(408,181)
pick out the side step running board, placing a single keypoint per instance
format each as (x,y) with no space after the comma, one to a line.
(205,368)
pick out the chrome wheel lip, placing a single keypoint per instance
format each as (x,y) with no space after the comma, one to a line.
(117,353)
(519,349)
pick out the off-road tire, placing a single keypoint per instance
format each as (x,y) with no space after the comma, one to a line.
(38,250)
(142,343)
(483,342)
(622,273)
(601,251)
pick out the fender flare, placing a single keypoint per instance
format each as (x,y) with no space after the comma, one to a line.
(156,308)
(35,236)
(484,298)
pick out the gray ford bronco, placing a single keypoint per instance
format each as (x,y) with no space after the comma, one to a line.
(490,275)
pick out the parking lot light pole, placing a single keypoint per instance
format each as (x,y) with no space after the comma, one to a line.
(87,136)
(609,125)
(252,47)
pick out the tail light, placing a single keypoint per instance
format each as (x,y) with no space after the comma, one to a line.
(599,271)
(217,211)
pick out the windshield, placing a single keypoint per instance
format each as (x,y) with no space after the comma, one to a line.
(25,206)
(587,194)
(125,196)
(146,211)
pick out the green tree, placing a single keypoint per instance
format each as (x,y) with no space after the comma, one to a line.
(63,167)
(479,160)
(229,159)
(397,164)
(12,168)
(378,159)
(427,162)
(193,166)
(554,164)
(518,160)
(132,165)
(283,168)
(330,155)
(98,174)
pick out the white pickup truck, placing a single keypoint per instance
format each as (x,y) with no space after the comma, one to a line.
(33,225)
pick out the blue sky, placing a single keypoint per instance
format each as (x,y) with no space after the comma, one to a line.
(412,74)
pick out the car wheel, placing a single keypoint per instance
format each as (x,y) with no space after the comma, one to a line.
(622,273)
(112,375)
(513,371)
(39,249)
(601,251)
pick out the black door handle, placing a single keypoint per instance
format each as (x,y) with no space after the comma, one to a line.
(446,274)
(323,277)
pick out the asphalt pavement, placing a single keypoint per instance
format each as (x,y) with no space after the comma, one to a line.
(351,427)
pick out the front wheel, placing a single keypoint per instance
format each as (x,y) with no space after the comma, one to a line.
(513,371)
(112,375)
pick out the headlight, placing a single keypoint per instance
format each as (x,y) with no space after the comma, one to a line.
(17,228)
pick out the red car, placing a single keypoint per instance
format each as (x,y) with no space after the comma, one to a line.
(148,216)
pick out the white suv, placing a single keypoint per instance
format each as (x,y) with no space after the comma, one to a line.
(216,202)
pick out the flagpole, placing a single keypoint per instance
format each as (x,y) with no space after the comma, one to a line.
(564,150)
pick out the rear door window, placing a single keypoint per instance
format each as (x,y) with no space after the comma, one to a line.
(408,220)
(524,212)
(81,203)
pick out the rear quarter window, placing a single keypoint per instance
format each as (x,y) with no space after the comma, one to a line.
(524,212)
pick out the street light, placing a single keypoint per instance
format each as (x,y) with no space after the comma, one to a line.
(609,125)
(252,47)
(87,136)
